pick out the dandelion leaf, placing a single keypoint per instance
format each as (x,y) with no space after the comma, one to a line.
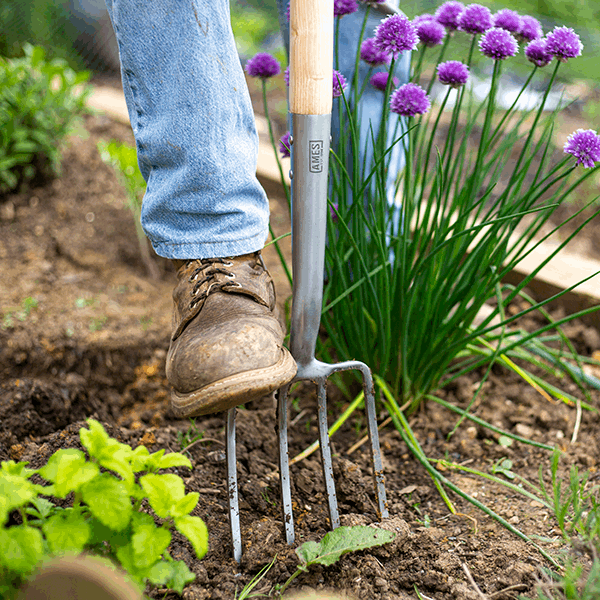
(340,541)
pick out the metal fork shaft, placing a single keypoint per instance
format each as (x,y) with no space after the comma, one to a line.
(310,152)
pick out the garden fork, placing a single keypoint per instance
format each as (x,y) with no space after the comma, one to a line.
(311,78)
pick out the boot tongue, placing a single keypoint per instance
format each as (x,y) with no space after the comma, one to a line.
(199,279)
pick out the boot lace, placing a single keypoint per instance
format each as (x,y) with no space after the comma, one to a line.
(206,272)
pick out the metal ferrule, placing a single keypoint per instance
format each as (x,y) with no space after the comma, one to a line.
(310,159)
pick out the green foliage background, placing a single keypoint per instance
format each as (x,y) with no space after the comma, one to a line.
(39,108)
(41,22)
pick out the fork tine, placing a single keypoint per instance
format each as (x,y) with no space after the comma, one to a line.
(284,465)
(334,516)
(378,477)
(232,489)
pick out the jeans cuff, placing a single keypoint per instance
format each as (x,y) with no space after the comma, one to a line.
(224,249)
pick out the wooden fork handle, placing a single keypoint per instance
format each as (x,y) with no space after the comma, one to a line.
(311,56)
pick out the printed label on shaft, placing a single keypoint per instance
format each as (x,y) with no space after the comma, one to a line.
(316,156)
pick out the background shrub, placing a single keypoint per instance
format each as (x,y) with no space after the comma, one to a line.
(40,105)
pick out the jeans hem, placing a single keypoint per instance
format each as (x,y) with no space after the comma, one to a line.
(189,250)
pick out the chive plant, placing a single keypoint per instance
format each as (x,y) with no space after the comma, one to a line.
(407,281)
(407,278)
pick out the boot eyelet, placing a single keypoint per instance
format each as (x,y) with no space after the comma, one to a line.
(230,275)
(227,263)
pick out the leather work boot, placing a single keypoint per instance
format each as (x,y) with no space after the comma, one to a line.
(227,344)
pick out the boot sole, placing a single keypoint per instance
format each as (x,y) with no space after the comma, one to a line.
(234,390)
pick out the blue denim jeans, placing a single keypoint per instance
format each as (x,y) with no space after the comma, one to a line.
(193,123)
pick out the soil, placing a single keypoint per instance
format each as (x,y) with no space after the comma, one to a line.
(84,332)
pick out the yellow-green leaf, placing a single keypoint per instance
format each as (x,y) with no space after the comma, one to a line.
(194,530)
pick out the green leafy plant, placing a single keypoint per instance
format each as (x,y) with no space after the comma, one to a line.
(247,589)
(123,159)
(45,23)
(40,105)
(503,467)
(97,323)
(191,435)
(575,583)
(335,544)
(576,506)
(84,302)
(21,313)
(108,517)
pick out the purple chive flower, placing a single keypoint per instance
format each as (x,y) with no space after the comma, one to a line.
(448,14)
(372,55)
(498,44)
(453,73)
(284,145)
(286,76)
(339,84)
(379,80)
(537,54)
(531,29)
(409,100)
(396,34)
(424,17)
(430,32)
(475,19)
(509,20)
(333,212)
(563,43)
(287,12)
(262,65)
(344,7)
(584,145)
